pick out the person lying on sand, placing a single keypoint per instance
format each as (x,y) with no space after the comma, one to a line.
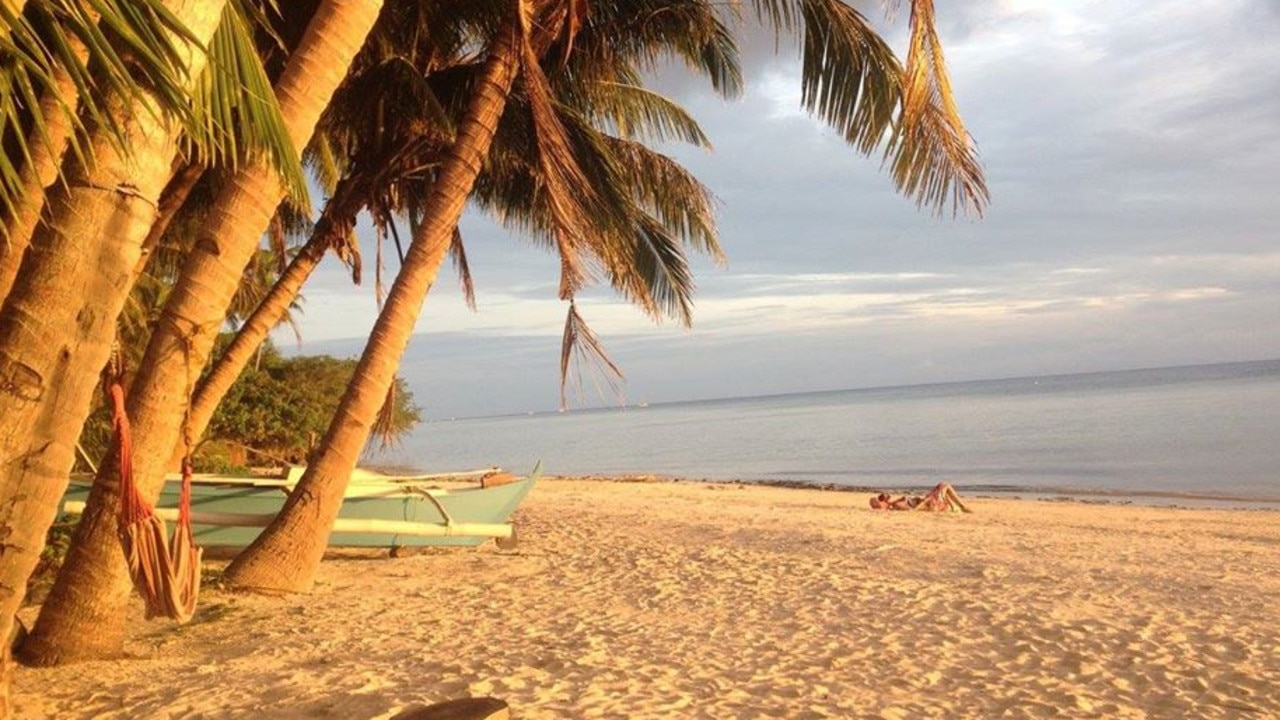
(942,498)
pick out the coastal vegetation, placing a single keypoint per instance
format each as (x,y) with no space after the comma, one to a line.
(278,409)
(173,164)
(273,415)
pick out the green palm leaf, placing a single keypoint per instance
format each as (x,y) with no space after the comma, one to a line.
(851,79)
(235,113)
(635,112)
(931,155)
(130,46)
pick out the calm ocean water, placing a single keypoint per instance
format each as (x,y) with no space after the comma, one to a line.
(1206,433)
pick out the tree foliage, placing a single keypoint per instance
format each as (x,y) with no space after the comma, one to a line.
(281,408)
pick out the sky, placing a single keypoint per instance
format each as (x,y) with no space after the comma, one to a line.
(1131,151)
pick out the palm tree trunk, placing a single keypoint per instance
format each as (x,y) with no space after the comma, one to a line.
(39,171)
(338,219)
(87,598)
(172,199)
(58,319)
(285,557)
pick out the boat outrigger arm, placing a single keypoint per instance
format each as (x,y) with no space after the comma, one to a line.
(448,520)
(449,528)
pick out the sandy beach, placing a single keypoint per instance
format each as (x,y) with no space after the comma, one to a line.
(692,600)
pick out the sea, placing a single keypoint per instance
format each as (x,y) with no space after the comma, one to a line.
(1204,435)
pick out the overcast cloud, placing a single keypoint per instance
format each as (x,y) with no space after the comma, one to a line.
(1131,152)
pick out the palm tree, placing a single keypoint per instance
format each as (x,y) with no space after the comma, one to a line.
(57,321)
(286,554)
(93,585)
(275,561)
(851,79)
(388,123)
(44,156)
(332,231)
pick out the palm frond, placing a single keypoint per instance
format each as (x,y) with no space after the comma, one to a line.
(666,189)
(19,175)
(323,160)
(645,34)
(376,113)
(652,209)
(580,350)
(49,45)
(259,276)
(649,209)
(932,157)
(335,229)
(459,255)
(935,166)
(638,113)
(236,114)
(384,425)
(850,78)
(569,194)
(278,242)
(659,269)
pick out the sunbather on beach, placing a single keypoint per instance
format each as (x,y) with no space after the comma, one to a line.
(942,498)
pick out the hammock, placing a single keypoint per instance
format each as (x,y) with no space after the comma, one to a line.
(167,575)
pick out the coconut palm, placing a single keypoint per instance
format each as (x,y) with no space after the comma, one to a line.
(92,586)
(43,157)
(332,231)
(57,320)
(851,79)
(389,124)
(46,79)
(320,491)
(285,555)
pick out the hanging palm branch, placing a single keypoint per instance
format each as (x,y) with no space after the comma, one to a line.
(459,256)
(931,155)
(580,348)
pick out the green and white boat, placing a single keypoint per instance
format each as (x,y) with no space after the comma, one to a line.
(379,510)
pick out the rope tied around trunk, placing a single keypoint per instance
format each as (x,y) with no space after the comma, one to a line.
(166,574)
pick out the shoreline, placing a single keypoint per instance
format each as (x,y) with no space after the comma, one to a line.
(653,599)
(1089,496)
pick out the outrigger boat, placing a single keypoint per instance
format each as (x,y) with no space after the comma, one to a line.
(379,510)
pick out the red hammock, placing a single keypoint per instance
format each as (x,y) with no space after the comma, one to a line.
(166,575)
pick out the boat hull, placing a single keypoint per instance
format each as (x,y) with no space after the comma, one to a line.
(233,515)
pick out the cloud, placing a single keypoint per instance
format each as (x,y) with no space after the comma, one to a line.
(1131,153)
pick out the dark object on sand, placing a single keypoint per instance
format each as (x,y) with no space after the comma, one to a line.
(485,708)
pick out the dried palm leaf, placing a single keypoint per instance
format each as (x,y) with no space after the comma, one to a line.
(582,345)
(459,255)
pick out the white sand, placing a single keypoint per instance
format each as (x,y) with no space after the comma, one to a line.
(683,600)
